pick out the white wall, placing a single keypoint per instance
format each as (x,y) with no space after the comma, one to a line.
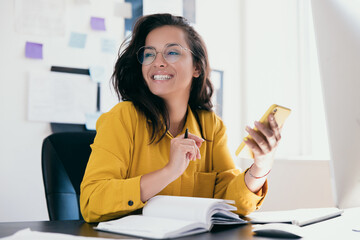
(22,195)
(21,187)
(299,184)
(219,24)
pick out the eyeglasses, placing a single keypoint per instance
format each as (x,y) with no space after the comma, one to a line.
(171,53)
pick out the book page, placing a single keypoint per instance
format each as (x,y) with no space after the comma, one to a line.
(152,227)
(185,208)
(225,217)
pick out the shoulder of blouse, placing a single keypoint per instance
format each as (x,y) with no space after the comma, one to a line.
(210,117)
(122,107)
(121,112)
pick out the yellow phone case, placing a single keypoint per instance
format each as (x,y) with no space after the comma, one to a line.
(280,114)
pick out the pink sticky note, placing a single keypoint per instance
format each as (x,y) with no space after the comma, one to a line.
(97,23)
(34,50)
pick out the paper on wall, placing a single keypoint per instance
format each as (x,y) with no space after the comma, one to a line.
(77,40)
(91,119)
(60,97)
(40,17)
(123,9)
(108,45)
(82,2)
(97,73)
(174,7)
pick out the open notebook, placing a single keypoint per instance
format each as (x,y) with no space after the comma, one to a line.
(171,217)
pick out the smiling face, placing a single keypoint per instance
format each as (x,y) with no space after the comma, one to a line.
(169,80)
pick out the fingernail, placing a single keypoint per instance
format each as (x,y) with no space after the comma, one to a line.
(248,128)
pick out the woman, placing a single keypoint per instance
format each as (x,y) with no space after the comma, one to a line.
(140,150)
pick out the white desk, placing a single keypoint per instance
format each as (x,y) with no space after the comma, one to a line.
(336,228)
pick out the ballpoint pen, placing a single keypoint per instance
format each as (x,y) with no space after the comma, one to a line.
(186,136)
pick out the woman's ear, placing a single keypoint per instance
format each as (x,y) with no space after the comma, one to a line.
(197,71)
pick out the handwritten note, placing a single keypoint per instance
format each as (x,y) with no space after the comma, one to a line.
(34,50)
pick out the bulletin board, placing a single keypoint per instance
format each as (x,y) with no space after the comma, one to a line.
(78,35)
(65,37)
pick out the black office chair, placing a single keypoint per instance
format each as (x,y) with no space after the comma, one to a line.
(64,159)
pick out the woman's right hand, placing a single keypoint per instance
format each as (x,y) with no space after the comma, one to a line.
(182,151)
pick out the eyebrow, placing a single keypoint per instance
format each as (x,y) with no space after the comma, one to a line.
(167,45)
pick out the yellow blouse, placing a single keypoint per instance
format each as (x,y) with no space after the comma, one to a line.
(121,154)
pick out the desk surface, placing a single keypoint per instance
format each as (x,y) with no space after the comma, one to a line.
(336,228)
(81,228)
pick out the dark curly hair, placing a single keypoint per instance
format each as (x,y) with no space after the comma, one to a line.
(129,82)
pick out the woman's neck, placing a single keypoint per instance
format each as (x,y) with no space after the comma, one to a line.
(177,114)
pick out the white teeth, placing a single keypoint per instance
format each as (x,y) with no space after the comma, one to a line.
(162,77)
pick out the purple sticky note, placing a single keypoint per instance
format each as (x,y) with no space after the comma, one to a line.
(97,23)
(34,50)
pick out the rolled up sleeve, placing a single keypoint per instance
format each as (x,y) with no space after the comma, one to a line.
(232,186)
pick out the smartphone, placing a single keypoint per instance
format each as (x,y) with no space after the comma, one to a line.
(280,114)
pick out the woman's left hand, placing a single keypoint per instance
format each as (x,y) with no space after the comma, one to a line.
(264,143)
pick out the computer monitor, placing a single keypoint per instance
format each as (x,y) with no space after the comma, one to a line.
(337,33)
